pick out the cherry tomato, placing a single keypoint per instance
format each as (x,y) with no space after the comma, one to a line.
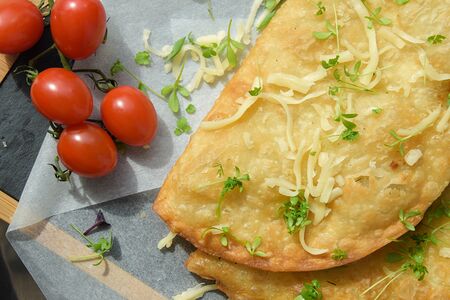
(129,115)
(21,26)
(87,150)
(61,96)
(78,27)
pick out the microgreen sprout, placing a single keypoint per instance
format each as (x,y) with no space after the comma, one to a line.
(230,46)
(271,7)
(252,247)
(100,248)
(224,231)
(442,209)
(310,291)
(375,17)
(401,2)
(190,109)
(321,8)
(349,134)
(377,110)
(172,91)
(405,216)
(143,58)
(182,126)
(210,10)
(295,213)
(99,222)
(354,73)
(324,35)
(436,39)
(399,142)
(332,62)
(339,254)
(220,171)
(208,51)
(176,48)
(229,185)
(60,174)
(118,67)
(344,84)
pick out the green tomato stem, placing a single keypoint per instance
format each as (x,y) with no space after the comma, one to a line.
(65,63)
(85,258)
(32,61)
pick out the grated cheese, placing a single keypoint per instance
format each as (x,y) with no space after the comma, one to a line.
(358,54)
(443,123)
(145,37)
(391,37)
(213,125)
(310,250)
(431,72)
(362,12)
(295,83)
(195,292)
(319,210)
(291,100)
(406,36)
(413,156)
(280,182)
(422,125)
(298,165)
(444,252)
(166,242)
(251,20)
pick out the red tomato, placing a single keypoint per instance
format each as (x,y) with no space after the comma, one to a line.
(21,26)
(78,27)
(87,150)
(129,115)
(61,96)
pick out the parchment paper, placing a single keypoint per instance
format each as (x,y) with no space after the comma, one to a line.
(139,170)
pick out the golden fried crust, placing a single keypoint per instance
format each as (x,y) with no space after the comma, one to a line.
(378,183)
(346,282)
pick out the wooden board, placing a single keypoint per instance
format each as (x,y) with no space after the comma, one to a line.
(8,206)
(7,61)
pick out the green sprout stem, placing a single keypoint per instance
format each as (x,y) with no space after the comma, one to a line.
(132,75)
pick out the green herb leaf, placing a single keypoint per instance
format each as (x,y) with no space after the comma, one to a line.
(266,21)
(295,213)
(310,291)
(353,74)
(442,209)
(190,109)
(183,91)
(377,110)
(321,9)
(209,51)
(399,142)
(143,58)
(174,102)
(176,48)
(255,91)
(229,185)
(330,63)
(116,68)
(252,248)
(224,241)
(165,91)
(339,254)
(375,17)
(322,35)
(182,126)
(401,2)
(101,247)
(405,216)
(349,135)
(436,39)
(394,257)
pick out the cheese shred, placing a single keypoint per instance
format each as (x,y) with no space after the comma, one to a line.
(195,292)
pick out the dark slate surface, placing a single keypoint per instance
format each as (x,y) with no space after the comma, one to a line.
(21,127)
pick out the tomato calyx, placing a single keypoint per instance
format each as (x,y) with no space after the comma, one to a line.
(30,73)
(60,174)
(102,83)
(45,7)
(56,130)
